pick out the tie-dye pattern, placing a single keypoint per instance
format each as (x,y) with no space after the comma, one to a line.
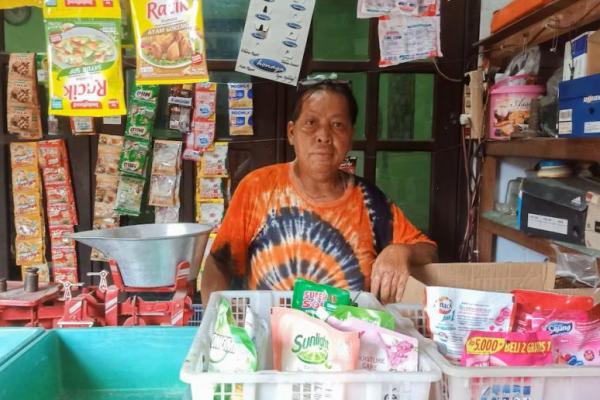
(273,234)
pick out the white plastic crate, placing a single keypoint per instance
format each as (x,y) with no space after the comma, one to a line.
(270,385)
(553,382)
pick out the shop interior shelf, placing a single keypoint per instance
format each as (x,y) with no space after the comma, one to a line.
(553,19)
(584,149)
(506,226)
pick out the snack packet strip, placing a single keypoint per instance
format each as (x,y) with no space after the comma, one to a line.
(84,59)
(22,103)
(202,134)
(210,212)
(214,163)
(240,109)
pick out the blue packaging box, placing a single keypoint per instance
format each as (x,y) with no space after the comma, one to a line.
(579,107)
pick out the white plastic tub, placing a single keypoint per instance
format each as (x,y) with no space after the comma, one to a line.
(554,382)
(274,385)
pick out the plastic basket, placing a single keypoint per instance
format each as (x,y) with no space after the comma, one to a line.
(554,382)
(269,384)
(196,318)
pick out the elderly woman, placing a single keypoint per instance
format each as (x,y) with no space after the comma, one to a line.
(309,219)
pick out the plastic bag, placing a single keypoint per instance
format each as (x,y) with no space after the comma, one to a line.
(579,267)
(84,58)
(525,63)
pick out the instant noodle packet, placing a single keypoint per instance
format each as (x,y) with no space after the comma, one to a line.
(302,343)
(84,58)
(573,323)
(397,352)
(452,313)
(512,349)
(169,39)
(309,296)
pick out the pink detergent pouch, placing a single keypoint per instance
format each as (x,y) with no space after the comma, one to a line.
(381,349)
(573,323)
(513,349)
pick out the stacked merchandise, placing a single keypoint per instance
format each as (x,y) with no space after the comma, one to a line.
(165,180)
(23,108)
(135,152)
(60,208)
(202,135)
(240,109)
(212,187)
(27,201)
(107,180)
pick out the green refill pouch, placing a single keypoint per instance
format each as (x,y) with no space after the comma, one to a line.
(377,317)
(309,296)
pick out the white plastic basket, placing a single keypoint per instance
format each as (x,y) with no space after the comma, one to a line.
(274,385)
(554,382)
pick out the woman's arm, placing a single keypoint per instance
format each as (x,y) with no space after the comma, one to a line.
(214,279)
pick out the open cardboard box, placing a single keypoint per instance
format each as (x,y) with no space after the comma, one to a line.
(493,277)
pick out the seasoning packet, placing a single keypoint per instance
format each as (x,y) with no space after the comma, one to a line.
(166,158)
(25,179)
(27,203)
(59,237)
(305,344)
(129,195)
(23,154)
(240,95)
(21,92)
(65,257)
(309,296)
(214,163)
(169,39)
(52,153)
(82,126)
(59,215)
(64,274)
(110,140)
(453,313)
(29,226)
(84,58)
(210,212)
(29,251)
(211,188)
(512,349)
(105,222)
(166,215)
(164,191)
(134,157)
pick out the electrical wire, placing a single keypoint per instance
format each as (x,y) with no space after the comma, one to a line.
(443,75)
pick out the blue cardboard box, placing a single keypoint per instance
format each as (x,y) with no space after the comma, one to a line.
(579,107)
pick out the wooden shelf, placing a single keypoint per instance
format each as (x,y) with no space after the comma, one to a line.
(587,149)
(553,19)
(505,226)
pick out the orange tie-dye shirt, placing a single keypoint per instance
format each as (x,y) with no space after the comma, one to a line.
(272,233)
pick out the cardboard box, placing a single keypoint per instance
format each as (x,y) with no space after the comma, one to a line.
(592,221)
(579,107)
(494,277)
(555,208)
(578,60)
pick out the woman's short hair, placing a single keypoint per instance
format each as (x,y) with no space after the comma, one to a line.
(308,88)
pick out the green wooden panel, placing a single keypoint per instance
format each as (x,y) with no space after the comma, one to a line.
(360,162)
(337,33)
(405,179)
(28,37)
(223,26)
(405,106)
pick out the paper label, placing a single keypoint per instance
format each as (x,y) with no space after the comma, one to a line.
(548,224)
(591,127)
(565,115)
(111,120)
(565,128)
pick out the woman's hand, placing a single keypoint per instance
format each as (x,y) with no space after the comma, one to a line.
(391,269)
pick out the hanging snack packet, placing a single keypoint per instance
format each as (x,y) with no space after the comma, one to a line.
(398,353)
(22,105)
(167,157)
(23,154)
(573,323)
(134,157)
(129,195)
(211,212)
(205,100)
(21,66)
(166,215)
(453,313)
(105,195)
(84,57)
(25,179)
(240,95)
(309,296)
(231,350)
(169,39)
(140,120)
(305,344)
(108,159)
(512,349)
(24,122)
(211,188)
(240,122)
(200,139)
(164,191)
(27,203)
(377,317)
(214,163)
(146,93)
(180,107)
(29,251)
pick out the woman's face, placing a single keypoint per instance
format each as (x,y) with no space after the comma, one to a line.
(322,134)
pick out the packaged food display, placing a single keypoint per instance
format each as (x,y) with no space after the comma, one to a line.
(169,41)
(84,50)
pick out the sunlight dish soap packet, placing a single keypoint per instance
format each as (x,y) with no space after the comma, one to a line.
(381,349)
(453,313)
(302,343)
(308,296)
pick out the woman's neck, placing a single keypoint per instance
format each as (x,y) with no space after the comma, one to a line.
(320,189)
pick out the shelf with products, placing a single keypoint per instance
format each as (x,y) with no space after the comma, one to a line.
(550,21)
(506,226)
(585,149)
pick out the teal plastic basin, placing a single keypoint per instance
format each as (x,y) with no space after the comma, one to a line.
(14,339)
(99,364)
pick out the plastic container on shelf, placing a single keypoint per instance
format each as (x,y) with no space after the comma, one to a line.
(99,363)
(515,10)
(269,384)
(14,339)
(510,109)
(555,382)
